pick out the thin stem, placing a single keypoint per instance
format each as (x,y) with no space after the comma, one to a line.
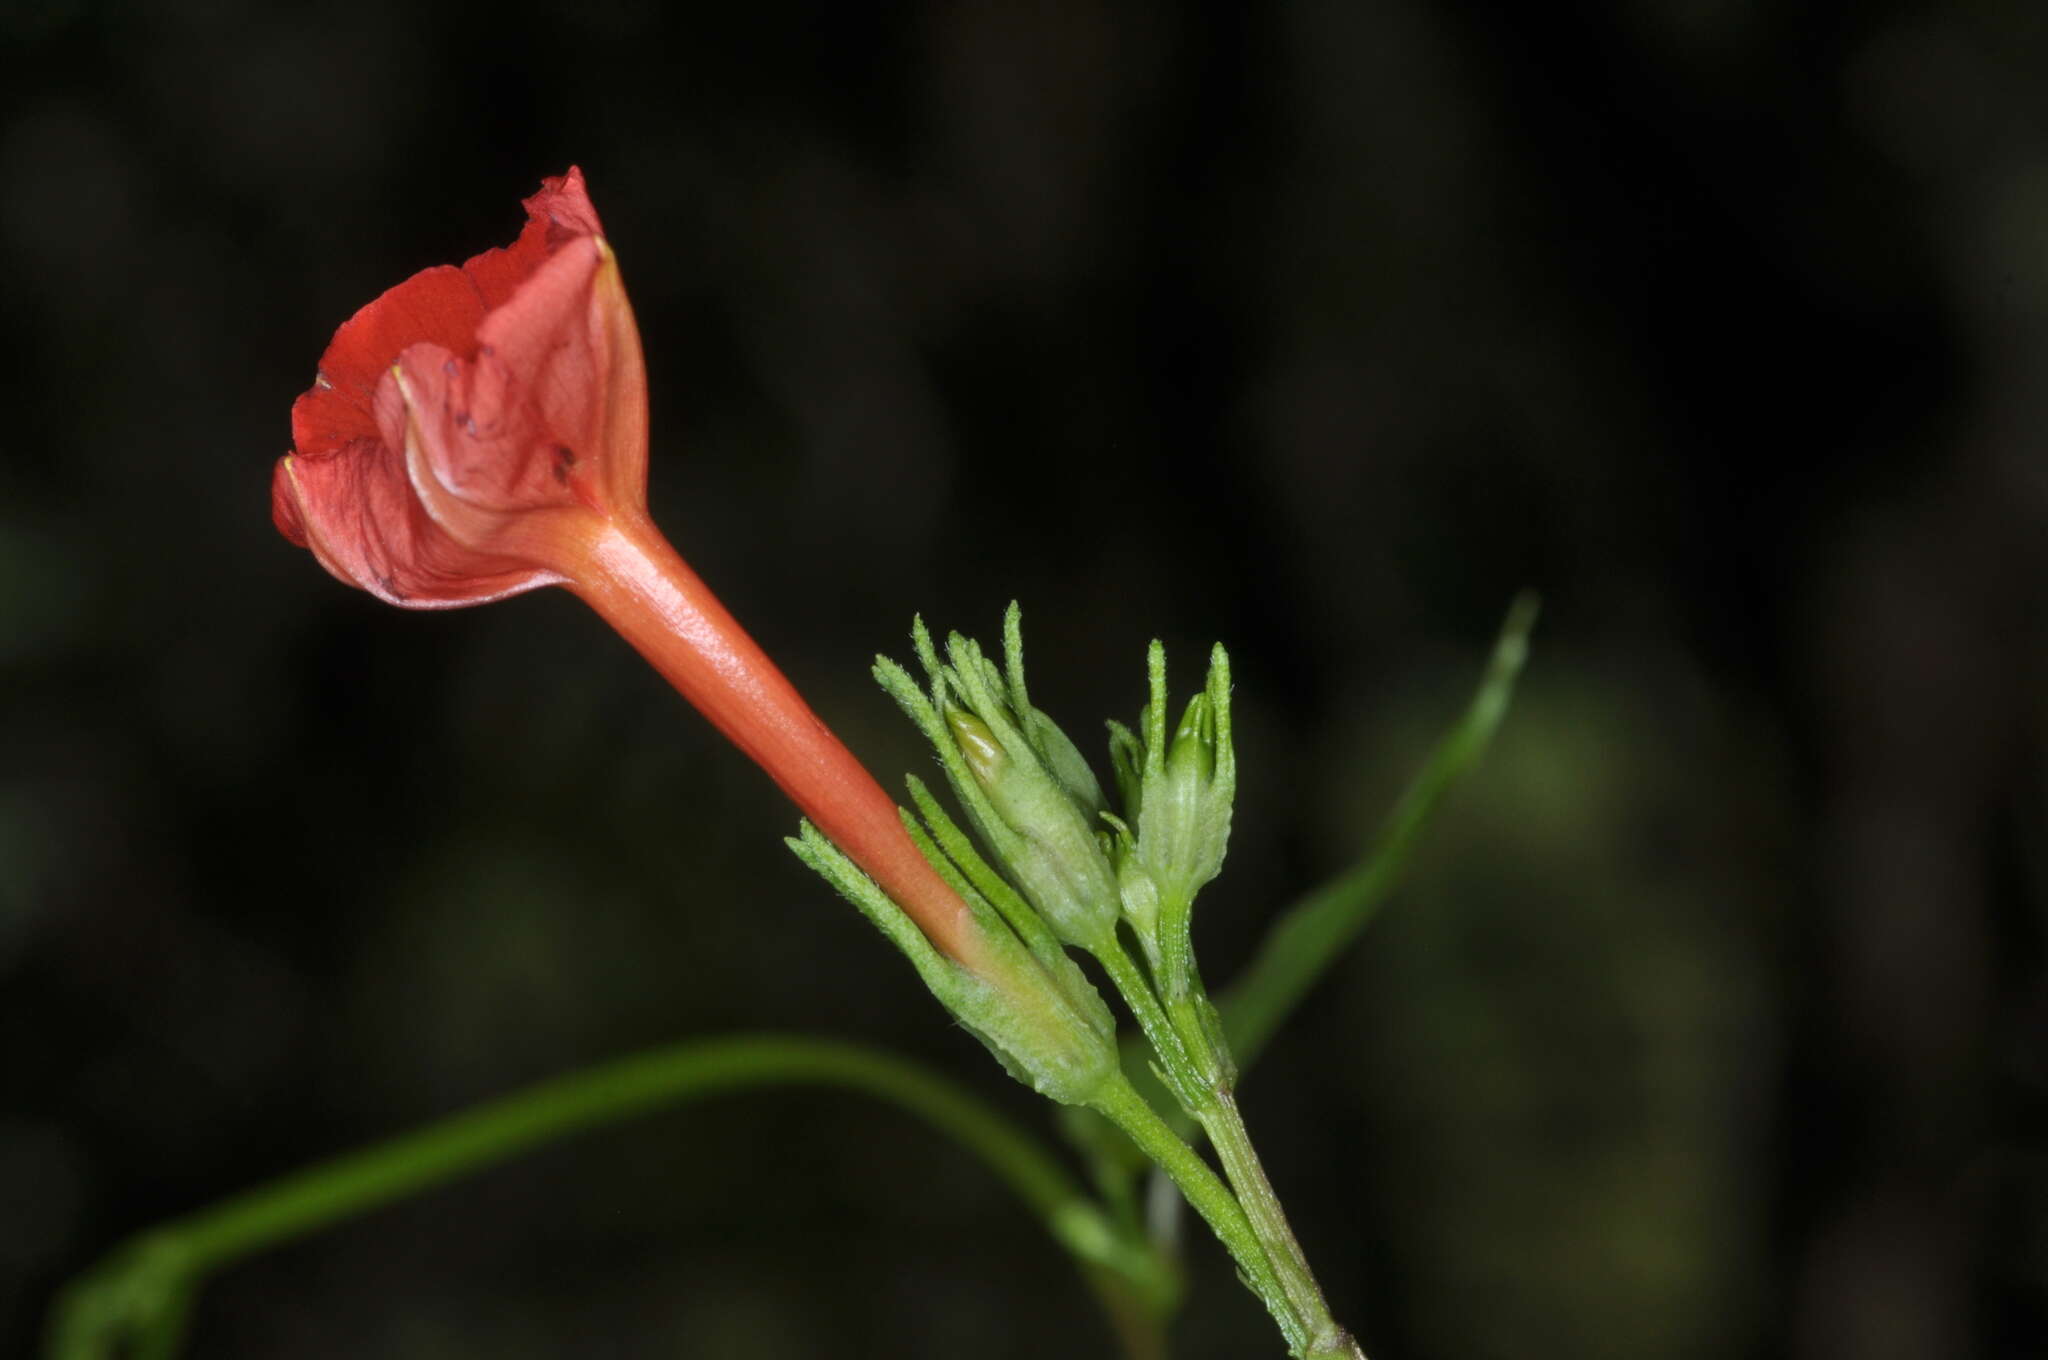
(1216,1110)
(1120,1103)
(1225,1126)
(1199,1077)
(1131,983)
(159,1267)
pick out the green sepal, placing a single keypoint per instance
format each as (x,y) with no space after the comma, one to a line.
(959,848)
(1039,945)
(1127,760)
(1024,786)
(1041,1019)
(1063,760)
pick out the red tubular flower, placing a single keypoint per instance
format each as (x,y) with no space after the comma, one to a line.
(481,431)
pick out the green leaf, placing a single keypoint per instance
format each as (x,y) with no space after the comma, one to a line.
(1305,942)
(135,1301)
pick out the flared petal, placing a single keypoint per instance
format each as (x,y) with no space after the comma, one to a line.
(361,519)
(464,399)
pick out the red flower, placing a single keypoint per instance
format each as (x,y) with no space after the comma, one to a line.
(472,424)
(481,431)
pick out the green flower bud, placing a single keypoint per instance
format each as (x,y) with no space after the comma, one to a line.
(978,745)
(1193,756)
(1051,852)
(1178,795)
(1023,783)
(1184,821)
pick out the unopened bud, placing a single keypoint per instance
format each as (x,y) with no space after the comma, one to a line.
(1178,794)
(1037,801)
(984,754)
(1193,755)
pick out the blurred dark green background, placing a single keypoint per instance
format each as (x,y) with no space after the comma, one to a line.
(1713,1022)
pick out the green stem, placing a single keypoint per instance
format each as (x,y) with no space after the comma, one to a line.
(1184,1081)
(1199,1077)
(1120,1103)
(1224,1124)
(153,1275)
(1216,1111)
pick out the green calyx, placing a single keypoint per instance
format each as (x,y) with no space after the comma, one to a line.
(1055,866)
(1025,787)
(1178,791)
(1040,812)
(1031,1006)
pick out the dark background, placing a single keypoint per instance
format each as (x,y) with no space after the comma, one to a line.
(1713,1022)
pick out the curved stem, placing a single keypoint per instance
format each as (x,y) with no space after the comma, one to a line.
(150,1279)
